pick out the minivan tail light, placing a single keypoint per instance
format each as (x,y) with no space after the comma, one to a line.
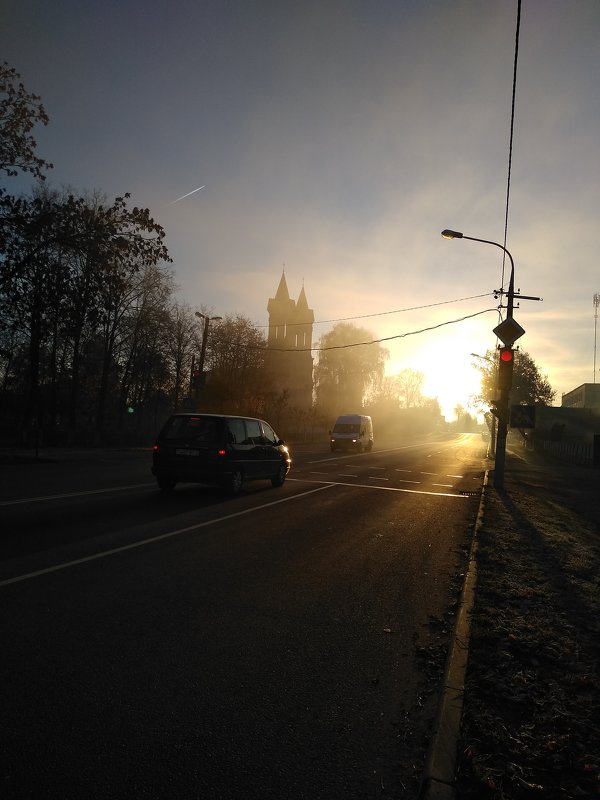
(222,452)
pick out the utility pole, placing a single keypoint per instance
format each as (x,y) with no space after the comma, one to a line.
(596,304)
(508,332)
(201,377)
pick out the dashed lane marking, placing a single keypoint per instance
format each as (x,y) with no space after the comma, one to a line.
(382,488)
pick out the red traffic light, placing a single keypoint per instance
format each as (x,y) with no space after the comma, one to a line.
(505,369)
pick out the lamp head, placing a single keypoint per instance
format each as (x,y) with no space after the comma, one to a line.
(448,234)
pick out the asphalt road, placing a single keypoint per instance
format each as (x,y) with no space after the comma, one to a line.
(287,643)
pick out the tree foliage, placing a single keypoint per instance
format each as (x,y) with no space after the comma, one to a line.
(529,386)
(349,364)
(19,113)
(235,355)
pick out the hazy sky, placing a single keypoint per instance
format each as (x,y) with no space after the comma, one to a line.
(339,137)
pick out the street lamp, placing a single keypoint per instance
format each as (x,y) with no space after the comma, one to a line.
(504,391)
(448,234)
(493,425)
(207,321)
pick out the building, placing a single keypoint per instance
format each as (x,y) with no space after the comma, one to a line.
(289,344)
(585,396)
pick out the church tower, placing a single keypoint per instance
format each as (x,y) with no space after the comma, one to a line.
(289,344)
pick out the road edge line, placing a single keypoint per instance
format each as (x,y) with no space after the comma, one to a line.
(439,776)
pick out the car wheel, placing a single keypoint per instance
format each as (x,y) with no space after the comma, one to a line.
(236,482)
(166,484)
(279,478)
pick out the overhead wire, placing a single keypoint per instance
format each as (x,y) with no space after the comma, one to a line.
(512,129)
(378,341)
(385,313)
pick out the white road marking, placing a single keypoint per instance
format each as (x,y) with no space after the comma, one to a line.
(383,488)
(152,539)
(377,478)
(375,452)
(344,475)
(75,494)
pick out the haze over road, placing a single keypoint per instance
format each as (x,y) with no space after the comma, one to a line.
(285,643)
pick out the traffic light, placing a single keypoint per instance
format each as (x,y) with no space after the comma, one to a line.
(505,368)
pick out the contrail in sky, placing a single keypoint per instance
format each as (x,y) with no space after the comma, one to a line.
(186,195)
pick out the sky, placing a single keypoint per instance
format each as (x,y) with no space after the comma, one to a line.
(335,139)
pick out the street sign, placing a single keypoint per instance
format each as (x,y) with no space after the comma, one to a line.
(509,331)
(522,417)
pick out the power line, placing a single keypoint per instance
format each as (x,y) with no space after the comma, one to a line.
(378,341)
(512,129)
(384,313)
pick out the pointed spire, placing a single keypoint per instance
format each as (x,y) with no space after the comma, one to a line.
(282,290)
(302,301)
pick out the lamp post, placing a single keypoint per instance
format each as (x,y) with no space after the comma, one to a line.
(207,321)
(502,404)
(493,425)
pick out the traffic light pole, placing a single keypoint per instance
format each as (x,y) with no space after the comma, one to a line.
(503,400)
(502,404)
(501,440)
(513,333)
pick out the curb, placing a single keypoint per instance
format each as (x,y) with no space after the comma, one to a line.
(439,775)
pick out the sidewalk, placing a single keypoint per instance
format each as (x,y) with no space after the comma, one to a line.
(531,704)
(44,455)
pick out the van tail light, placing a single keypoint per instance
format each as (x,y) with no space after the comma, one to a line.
(222,452)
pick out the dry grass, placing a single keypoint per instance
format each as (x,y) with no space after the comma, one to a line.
(531,723)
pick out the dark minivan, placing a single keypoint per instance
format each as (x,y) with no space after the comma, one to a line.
(218,449)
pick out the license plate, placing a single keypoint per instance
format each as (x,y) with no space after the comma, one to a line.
(184,451)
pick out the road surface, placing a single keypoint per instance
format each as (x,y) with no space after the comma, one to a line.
(287,643)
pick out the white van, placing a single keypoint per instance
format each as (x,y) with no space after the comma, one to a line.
(352,432)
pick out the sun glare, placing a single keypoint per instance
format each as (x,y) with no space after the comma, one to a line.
(450,376)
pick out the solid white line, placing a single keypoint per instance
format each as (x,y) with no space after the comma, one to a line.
(75,494)
(152,539)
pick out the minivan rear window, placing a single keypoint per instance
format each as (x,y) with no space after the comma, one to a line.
(208,430)
(237,431)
